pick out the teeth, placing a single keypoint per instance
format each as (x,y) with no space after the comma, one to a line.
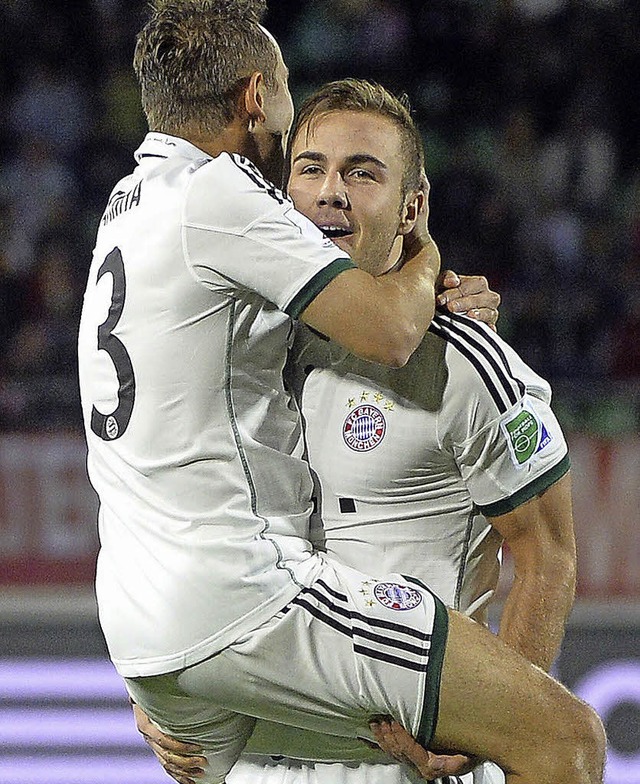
(335,231)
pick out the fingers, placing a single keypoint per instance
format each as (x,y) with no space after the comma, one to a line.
(488,315)
(155,737)
(448,279)
(185,769)
(466,286)
(469,295)
(396,741)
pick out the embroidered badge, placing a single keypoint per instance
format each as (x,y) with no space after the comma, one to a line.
(397,597)
(364,428)
(526,436)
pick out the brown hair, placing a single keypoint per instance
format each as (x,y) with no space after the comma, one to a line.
(193,56)
(359,95)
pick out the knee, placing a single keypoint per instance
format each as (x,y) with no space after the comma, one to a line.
(584,747)
(594,744)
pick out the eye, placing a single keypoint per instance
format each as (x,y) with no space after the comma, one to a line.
(311,168)
(361,174)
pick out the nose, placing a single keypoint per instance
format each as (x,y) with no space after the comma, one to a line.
(333,192)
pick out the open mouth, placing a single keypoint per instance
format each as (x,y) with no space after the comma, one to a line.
(335,232)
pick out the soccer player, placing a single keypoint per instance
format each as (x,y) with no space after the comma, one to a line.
(422,470)
(206,581)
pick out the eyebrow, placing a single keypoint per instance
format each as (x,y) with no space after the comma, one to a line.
(351,160)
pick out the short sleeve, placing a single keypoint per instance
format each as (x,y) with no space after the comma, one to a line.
(497,420)
(241,233)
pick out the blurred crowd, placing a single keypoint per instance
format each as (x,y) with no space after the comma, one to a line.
(531,122)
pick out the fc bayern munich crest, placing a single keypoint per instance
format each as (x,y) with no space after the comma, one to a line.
(364,428)
(397,597)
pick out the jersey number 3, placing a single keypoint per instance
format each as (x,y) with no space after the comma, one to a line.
(112,426)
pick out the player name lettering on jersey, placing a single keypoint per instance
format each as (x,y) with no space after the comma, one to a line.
(121,201)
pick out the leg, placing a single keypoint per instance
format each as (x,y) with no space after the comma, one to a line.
(495,704)
(221,733)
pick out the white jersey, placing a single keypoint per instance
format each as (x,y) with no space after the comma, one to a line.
(411,462)
(408,465)
(195,447)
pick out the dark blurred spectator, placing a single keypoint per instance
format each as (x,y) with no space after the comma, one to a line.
(40,358)
(533,148)
(50,104)
(42,192)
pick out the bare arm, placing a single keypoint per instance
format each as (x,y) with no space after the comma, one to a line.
(382,319)
(541,539)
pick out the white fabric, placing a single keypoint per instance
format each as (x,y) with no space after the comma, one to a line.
(252,769)
(204,497)
(435,448)
(413,496)
(343,650)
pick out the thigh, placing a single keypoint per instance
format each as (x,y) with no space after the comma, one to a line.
(498,706)
(345,649)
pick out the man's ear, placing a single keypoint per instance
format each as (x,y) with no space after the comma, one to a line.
(413,206)
(253,99)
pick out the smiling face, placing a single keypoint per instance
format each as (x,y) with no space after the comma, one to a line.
(346,176)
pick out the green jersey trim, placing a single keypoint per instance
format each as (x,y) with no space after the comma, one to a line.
(316,284)
(431,696)
(539,484)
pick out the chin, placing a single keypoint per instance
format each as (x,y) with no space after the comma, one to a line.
(345,246)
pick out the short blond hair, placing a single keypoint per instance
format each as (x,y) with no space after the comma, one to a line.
(360,95)
(193,57)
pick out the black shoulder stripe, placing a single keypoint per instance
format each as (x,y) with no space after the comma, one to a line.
(253,173)
(486,336)
(507,381)
(483,353)
(437,329)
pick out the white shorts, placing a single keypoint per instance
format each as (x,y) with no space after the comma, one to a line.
(347,648)
(254,769)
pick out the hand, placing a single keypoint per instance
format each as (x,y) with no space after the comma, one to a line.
(393,739)
(470,295)
(180,760)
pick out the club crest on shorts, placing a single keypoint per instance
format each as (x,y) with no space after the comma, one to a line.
(364,428)
(396,596)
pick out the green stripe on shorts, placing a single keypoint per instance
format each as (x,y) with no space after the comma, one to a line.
(431,700)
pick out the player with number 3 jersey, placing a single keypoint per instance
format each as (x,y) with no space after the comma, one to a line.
(216,609)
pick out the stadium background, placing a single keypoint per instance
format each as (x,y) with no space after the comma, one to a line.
(531,120)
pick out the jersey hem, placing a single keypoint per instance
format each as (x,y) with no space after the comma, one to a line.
(525,494)
(161,665)
(317,283)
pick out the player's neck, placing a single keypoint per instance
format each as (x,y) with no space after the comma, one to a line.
(234,138)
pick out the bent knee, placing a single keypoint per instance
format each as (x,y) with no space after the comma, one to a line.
(580,746)
(593,742)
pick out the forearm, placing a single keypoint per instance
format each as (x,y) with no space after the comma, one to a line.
(537,607)
(406,296)
(382,319)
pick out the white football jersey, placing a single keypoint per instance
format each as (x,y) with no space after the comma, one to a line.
(410,462)
(195,447)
